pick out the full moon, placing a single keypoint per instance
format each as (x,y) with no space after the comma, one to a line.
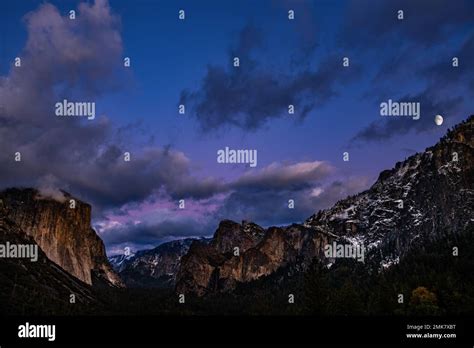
(439,120)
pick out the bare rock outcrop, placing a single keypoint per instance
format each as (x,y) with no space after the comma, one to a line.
(63,233)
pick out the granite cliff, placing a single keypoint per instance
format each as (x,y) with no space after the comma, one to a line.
(63,233)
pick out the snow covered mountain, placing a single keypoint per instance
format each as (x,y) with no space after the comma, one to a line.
(119,261)
(152,268)
(422,198)
(427,197)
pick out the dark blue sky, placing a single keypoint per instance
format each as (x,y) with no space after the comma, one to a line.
(282,62)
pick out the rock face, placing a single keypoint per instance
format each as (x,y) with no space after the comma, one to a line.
(63,233)
(427,196)
(231,234)
(37,287)
(120,261)
(217,266)
(152,268)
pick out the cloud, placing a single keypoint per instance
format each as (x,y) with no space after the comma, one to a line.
(260,196)
(270,206)
(250,38)
(278,176)
(61,58)
(263,196)
(443,76)
(142,235)
(112,181)
(157,219)
(48,189)
(79,60)
(249,96)
(426,22)
(423,43)
(388,127)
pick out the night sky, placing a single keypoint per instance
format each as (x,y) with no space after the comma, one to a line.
(190,62)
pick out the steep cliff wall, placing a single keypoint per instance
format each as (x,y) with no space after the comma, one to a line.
(63,233)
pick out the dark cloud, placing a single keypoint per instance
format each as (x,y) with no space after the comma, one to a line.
(393,71)
(277,176)
(426,22)
(113,181)
(263,196)
(270,206)
(388,127)
(418,60)
(307,26)
(195,188)
(79,60)
(442,75)
(144,235)
(250,38)
(249,96)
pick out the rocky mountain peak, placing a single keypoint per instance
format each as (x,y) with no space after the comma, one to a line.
(155,267)
(231,234)
(62,231)
(423,198)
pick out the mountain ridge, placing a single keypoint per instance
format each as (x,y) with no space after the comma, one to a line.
(377,218)
(155,267)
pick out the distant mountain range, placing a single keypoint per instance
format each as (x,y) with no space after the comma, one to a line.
(157,267)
